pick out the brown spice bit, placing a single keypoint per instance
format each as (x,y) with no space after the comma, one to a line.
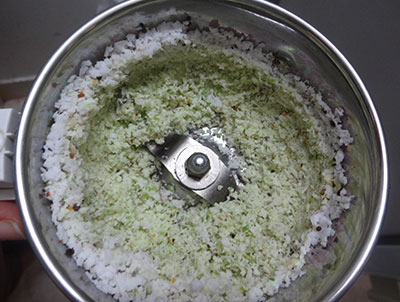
(47,194)
(81,95)
(299,132)
(318,228)
(216,254)
(235,108)
(322,192)
(276,61)
(54,84)
(166,234)
(286,112)
(214,23)
(301,165)
(69,208)
(69,252)
(173,240)
(40,195)
(71,155)
(76,207)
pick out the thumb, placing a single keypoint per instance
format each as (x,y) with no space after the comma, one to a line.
(10,222)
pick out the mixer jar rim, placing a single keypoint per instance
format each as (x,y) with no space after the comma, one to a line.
(260,7)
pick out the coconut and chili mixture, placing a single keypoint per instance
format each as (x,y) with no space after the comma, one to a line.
(131,233)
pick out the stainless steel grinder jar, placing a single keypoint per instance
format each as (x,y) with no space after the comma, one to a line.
(306,53)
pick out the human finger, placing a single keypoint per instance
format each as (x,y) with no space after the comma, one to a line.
(10,222)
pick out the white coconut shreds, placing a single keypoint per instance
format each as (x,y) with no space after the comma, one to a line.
(129,231)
